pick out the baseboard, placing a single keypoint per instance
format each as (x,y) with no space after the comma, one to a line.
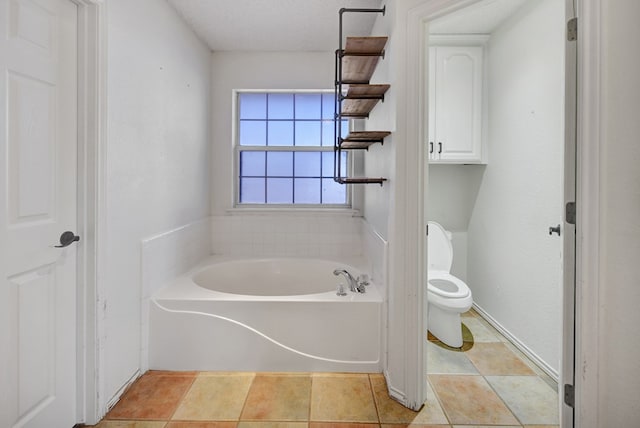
(394,393)
(116,397)
(518,344)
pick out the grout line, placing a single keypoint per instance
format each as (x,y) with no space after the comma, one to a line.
(246,397)
(184,394)
(439,400)
(501,399)
(375,401)
(311,376)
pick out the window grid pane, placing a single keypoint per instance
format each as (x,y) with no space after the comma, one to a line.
(273,176)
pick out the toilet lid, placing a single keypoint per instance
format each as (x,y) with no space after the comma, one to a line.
(440,251)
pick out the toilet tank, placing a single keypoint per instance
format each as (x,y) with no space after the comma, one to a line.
(439,248)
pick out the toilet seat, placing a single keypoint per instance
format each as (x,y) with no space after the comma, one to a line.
(446,285)
(443,289)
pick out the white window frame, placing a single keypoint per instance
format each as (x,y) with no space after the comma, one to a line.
(237,148)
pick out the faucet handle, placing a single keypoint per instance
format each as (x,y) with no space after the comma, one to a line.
(341,291)
(363,279)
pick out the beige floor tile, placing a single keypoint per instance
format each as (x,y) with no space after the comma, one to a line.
(528,397)
(487,426)
(392,412)
(414,426)
(445,361)
(154,396)
(535,368)
(479,332)
(218,374)
(541,426)
(131,424)
(271,424)
(497,359)
(340,425)
(215,398)
(278,397)
(171,373)
(469,400)
(342,398)
(185,424)
(491,328)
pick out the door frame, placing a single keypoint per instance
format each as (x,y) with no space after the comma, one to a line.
(567,370)
(413,180)
(588,136)
(91,205)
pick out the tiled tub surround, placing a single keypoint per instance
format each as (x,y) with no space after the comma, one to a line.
(305,234)
(197,328)
(469,388)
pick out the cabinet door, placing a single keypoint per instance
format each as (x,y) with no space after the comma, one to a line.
(431,124)
(458,104)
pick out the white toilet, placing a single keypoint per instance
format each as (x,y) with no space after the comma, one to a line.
(447,296)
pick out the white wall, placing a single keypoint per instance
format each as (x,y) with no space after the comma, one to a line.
(157,174)
(514,266)
(254,70)
(379,159)
(618,341)
(451,196)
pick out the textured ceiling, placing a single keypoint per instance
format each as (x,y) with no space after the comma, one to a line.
(273,25)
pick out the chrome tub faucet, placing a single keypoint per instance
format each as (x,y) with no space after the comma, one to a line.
(354,286)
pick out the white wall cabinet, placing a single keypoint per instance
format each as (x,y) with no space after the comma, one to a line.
(455,90)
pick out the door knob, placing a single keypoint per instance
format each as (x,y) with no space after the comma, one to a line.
(554,229)
(67,238)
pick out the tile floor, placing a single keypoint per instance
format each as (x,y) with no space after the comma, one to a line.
(486,384)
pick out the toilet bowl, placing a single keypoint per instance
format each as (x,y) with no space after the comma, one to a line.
(447,296)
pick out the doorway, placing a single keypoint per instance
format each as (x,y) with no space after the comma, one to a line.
(505,206)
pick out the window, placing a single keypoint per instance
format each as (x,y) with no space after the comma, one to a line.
(284,149)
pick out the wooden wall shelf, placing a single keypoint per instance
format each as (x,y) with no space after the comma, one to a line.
(360,58)
(362,180)
(362,99)
(363,139)
(355,65)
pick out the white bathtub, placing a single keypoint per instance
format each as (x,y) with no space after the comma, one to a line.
(265,315)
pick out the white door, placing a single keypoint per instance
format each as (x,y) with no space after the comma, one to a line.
(38,143)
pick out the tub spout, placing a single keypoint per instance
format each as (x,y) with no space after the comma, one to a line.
(353,283)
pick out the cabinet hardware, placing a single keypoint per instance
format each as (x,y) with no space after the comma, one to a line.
(430,147)
(439,148)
